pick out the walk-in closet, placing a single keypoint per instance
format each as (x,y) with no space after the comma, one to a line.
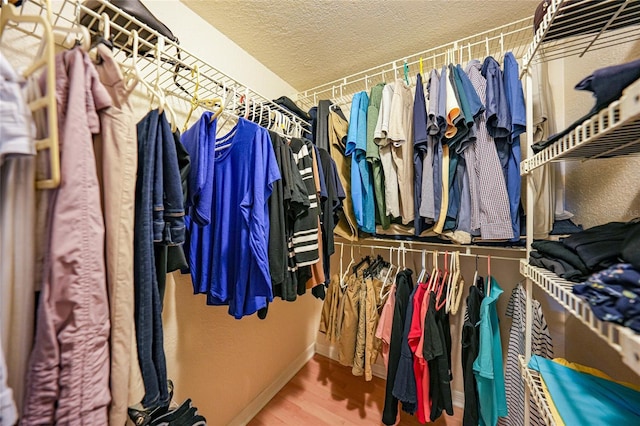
(341,212)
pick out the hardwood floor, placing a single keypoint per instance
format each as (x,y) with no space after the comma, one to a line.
(326,393)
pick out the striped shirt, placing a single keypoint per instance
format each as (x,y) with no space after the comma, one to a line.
(305,227)
(540,345)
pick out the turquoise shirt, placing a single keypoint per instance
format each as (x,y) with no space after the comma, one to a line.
(488,368)
(584,399)
(361,179)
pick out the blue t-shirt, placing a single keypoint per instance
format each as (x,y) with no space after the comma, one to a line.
(361,182)
(515,99)
(231,261)
(199,140)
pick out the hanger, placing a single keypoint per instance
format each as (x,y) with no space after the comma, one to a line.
(45,58)
(443,283)
(104,25)
(162,100)
(406,72)
(475,275)
(196,101)
(454,295)
(134,67)
(81,33)
(424,268)
(421,67)
(385,282)
(434,272)
(343,277)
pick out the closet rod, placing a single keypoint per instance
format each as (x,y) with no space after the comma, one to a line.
(514,36)
(412,250)
(451,247)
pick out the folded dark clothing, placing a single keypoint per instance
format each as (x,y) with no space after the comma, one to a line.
(614,295)
(607,85)
(565,227)
(601,245)
(631,248)
(558,266)
(557,250)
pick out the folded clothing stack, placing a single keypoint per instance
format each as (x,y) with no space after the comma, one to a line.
(592,250)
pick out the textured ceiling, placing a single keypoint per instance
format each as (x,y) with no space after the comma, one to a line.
(308,43)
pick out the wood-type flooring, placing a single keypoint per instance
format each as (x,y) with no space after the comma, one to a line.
(324,392)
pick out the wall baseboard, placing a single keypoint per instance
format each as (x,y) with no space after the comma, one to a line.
(263,398)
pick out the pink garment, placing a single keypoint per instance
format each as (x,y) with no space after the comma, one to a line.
(68,377)
(383,331)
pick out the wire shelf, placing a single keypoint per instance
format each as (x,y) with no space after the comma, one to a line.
(514,37)
(176,62)
(534,382)
(576,27)
(622,339)
(613,132)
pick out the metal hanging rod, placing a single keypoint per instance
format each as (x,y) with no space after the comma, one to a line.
(404,249)
(515,36)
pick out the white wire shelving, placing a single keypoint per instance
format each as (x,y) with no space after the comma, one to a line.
(534,382)
(571,28)
(176,62)
(622,339)
(614,131)
(514,37)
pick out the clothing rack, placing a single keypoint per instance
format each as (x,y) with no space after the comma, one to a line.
(514,37)
(176,62)
(402,248)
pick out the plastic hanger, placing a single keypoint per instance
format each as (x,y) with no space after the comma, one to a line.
(434,272)
(81,33)
(475,275)
(172,118)
(406,72)
(442,284)
(421,67)
(343,277)
(134,67)
(45,58)
(424,268)
(196,101)
(385,282)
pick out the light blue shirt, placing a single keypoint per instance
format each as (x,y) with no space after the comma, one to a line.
(487,367)
(361,179)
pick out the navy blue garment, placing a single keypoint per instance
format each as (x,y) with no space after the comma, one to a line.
(614,295)
(607,85)
(159,217)
(403,291)
(420,147)
(497,110)
(404,387)
(313,116)
(515,98)
(470,350)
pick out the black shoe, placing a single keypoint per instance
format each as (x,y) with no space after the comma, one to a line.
(173,415)
(142,416)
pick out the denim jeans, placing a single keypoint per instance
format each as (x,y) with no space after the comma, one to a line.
(160,219)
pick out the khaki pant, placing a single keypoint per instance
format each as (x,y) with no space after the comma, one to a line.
(349,323)
(117,162)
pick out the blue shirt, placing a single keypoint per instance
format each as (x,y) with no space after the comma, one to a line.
(488,367)
(361,182)
(584,399)
(199,141)
(497,110)
(515,98)
(231,262)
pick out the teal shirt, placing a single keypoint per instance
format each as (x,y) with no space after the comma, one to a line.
(488,368)
(585,399)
